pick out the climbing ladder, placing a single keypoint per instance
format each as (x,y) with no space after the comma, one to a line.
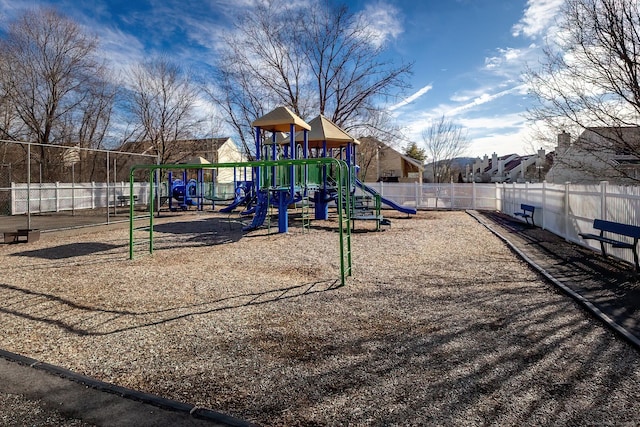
(305,213)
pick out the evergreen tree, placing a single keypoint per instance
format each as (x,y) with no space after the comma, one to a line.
(415,152)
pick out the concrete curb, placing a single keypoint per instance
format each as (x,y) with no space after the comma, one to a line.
(193,411)
(616,327)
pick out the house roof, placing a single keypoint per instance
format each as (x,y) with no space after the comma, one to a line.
(197,160)
(514,162)
(372,140)
(146,147)
(616,132)
(280,120)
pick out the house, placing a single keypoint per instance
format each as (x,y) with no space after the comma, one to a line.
(510,168)
(380,162)
(214,150)
(598,154)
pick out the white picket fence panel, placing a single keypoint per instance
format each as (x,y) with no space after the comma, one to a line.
(563,209)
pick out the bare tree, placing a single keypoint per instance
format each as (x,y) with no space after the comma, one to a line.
(49,74)
(163,101)
(589,79)
(319,59)
(444,141)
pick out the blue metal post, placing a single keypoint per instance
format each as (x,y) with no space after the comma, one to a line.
(283,217)
(274,153)
(184,181)
(324,167)
(321,198)
(170,189)
(305,155)
(200,188)
(256,169)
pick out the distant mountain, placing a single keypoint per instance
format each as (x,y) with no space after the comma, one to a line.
(462,162)
(459,162)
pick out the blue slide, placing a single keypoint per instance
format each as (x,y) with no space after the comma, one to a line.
(260,213)
(388,202)
(237,202)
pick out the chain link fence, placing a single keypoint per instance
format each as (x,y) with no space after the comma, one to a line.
(51,187)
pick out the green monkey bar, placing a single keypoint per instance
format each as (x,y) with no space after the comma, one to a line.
(313,168)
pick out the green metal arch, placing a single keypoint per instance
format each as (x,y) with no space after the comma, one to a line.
(343,178)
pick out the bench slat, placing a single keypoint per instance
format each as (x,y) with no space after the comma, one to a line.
(620,229)
(617,228)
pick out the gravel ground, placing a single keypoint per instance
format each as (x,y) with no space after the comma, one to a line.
(440,324)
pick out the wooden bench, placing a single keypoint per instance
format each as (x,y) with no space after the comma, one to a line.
(527,212)
(124,200)
(29,234)
(620,229)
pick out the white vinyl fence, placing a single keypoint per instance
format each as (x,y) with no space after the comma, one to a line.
(440,196)
(563,209)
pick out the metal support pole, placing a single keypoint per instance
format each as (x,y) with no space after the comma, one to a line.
(28,185)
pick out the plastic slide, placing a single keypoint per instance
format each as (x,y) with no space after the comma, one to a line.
(260,213)
(388,202)
(237,202)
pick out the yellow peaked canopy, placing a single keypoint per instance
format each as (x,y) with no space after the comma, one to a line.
(280,120)
(323,129)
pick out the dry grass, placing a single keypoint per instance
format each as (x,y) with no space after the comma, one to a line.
(440,324)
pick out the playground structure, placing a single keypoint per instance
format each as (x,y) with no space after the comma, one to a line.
(195,189)
(282,135)
(185,192)
(294,160)
(321,138)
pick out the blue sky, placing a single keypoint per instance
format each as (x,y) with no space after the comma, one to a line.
(468,54)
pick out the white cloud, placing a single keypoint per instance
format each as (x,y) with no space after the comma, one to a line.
(383,22)
(538,17)
(483,99)
(502,144)
(505,56)
(411,98)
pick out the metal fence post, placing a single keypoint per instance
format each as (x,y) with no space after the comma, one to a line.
(13,198)
(29,185)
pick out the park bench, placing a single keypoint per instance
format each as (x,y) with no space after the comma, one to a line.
(124,200)
(29,234)
(620,229)
(527,212)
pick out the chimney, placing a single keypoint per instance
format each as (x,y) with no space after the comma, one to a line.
(500,167)
(564,141)
(494,161)
(541,154)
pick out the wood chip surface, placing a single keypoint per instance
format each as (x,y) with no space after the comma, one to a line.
(440,324)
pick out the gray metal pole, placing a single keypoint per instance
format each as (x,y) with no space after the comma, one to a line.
(107,192)
(73,189)
(28,185)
